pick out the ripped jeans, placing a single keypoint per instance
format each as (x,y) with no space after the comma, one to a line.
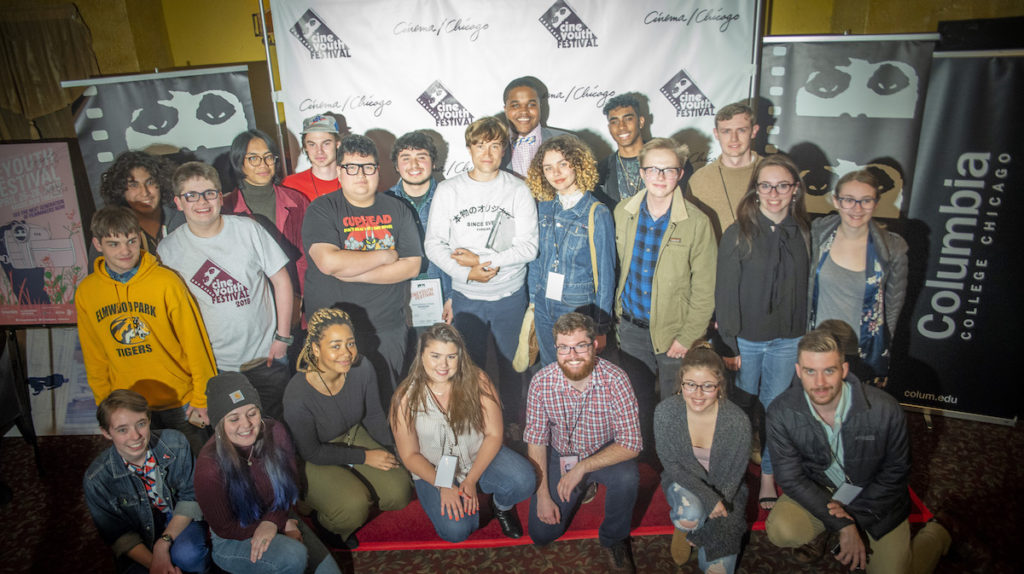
(684,506)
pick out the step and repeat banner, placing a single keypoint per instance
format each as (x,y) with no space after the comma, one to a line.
(966,211)
(390,67)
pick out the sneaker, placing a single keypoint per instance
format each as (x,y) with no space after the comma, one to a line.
(620,559)
(509,521)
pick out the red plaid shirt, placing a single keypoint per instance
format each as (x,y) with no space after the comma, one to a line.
(572,422)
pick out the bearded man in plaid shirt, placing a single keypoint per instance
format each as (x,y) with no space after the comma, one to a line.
(582,427)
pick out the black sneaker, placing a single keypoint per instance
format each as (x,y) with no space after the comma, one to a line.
(509,521)
(620,559)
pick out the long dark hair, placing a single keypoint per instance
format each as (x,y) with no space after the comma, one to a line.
(243,499)
(114,181)
(746,212)
(464,409)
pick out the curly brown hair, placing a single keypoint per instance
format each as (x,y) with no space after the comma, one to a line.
(576,153)
(114,181)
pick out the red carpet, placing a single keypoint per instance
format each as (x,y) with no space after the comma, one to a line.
(410,529)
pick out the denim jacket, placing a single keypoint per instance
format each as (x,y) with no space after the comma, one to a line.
(565,249)
(117,498)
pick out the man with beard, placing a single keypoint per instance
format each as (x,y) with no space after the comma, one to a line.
(413,156)
(582,426)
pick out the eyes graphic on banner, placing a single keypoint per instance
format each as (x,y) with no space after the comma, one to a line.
(209,119)
(860,89)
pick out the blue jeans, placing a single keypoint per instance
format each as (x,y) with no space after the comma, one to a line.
(509,477)
(545,313)
(620,480)
(684,505)
(284,555)
(766,370)
(503,319)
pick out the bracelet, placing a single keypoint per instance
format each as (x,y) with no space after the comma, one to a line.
(286,340)
(167,538)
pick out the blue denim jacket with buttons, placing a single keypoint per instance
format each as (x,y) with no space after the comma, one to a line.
(565,249)
(117,498)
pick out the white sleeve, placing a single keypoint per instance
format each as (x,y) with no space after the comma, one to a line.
(524,244)
(437,239)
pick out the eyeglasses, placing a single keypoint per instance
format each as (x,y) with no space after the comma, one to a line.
(353,168)
(765,188)
(193,196)
(669,172)
(849,202)
(258,160)
(580,348)
(691,387)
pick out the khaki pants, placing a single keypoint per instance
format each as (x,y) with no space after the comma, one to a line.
(343,496)
(789,525)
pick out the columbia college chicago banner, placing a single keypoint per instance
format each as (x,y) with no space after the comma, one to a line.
(965,323)
(397,66)
(841,105)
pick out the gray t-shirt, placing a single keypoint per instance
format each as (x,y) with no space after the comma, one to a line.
(840,294)
(228,274)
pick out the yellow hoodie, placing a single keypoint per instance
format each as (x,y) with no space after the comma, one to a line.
(145,335)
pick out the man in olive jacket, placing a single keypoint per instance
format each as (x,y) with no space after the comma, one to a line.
(842,457)
(668,255)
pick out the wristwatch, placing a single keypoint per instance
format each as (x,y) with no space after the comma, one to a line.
(167,538)
(286,340)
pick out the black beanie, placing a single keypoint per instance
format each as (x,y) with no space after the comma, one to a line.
(226,392)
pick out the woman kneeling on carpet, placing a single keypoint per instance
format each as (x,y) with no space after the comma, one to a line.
(246,483)
(333,408)
(703,441)
(448,428)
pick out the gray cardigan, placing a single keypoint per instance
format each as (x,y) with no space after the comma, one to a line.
(730,450)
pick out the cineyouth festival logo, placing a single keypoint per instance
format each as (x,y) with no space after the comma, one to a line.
(440,103)
(686,97)
(320,40)
(567,27)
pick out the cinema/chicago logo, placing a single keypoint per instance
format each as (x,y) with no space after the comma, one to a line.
(686,97)
(440,103)
(320,40)
(567,27)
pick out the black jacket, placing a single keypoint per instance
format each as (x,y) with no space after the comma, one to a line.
(876,457)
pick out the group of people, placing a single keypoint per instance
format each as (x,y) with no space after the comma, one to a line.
(193,318)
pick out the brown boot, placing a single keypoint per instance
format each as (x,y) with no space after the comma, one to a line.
(680,548)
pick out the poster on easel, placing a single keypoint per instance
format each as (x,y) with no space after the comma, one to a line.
(42,250)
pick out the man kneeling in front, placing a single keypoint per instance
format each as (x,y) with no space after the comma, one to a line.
(842,457)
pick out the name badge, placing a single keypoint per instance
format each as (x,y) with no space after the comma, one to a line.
(566,463)
(846,493)
(553,290)
(445,476)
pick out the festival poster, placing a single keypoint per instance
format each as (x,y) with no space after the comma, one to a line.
(42,249)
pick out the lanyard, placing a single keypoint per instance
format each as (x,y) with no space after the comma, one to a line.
(449,430)
(579,416)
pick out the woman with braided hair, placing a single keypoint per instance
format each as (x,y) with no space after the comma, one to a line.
(333,409)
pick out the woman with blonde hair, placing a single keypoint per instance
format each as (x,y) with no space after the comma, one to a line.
(333,409)
(448,427)
(703,442)
(575,268)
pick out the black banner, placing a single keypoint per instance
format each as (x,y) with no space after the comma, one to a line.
(964,214)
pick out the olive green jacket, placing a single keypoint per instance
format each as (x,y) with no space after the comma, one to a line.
(683,297)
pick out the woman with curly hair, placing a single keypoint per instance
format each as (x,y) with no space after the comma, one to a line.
(333,408)
(446,416)
(142,182)
(247,484)
(761,288)
(575,269)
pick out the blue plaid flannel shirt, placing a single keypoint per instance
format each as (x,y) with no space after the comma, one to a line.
(636,294)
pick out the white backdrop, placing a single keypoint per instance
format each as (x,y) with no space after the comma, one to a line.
(391,66)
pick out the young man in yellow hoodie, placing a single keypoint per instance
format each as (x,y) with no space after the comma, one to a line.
(141,329)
